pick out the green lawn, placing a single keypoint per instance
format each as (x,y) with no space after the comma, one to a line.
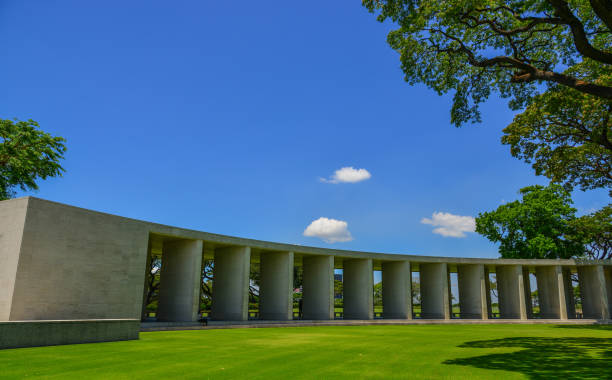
(433,351)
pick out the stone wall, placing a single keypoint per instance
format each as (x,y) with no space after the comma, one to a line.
(49,333)
(76,264)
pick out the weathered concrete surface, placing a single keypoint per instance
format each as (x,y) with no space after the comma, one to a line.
(179,288)
(170,232)
(434,291)
(472,288)
(396,290)
(276,286)
(527,293)
(230,301)
(318,287)
(358,289)
(64,262)
(569,293)
(77,264)
(593,292)
(510,288)
(608,279)
(17,334)
(12,222)
(551,293)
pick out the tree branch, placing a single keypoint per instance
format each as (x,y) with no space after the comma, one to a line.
(529,73)
(566,80)
(581,41)
(533,21)
(603,10)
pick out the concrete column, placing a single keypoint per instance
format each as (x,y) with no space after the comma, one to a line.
(396,290)
(179,288)
(276,286)
(472,291)
(551,292)
(358,289)
(563,301)
(593,292)
(608,279)
(569,293)
(511,292)
(318,287)
(434,291)
(231,284)
(450,294)
(527,293)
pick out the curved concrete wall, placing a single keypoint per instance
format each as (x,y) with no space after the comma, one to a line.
(63,262)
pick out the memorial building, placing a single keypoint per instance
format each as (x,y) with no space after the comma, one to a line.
(70,275)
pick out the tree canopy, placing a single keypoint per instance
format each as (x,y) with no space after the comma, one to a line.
(595,230)
(27,154)
(552,57)
(539,226)
(566,136)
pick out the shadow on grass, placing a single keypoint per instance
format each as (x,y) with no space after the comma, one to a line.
(546,358)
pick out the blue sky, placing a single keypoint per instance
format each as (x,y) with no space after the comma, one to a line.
(223,117)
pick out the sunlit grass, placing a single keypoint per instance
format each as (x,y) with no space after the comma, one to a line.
(431,351)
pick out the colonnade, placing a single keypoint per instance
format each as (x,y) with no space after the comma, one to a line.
(179,293)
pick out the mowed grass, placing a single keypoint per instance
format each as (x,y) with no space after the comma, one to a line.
(338,352)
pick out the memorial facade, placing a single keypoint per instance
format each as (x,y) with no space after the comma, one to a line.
(60,263)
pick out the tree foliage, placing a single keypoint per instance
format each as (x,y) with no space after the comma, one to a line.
(595,231)
(552,57)
(476,46)
(338,289)
(378,294)
(206,286)
(567,136)
(415,292)
(152,279)
(27,154)
(539,226)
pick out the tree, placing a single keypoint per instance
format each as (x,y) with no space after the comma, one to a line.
(550,55)
(493,286)
(153,277)
(378,294)
(254,285)
(27,154)
(415,291)
(477,46)
(298,277)
(595,231)
(567,136)
(206,285)
(535,299)
(338,289)
(540,226)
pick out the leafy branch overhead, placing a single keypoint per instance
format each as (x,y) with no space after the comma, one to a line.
(27,154)
(566,136)
(550,57)
(473,47)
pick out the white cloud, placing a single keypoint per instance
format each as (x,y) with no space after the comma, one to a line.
(348,174)
(449,225)
(329,230)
